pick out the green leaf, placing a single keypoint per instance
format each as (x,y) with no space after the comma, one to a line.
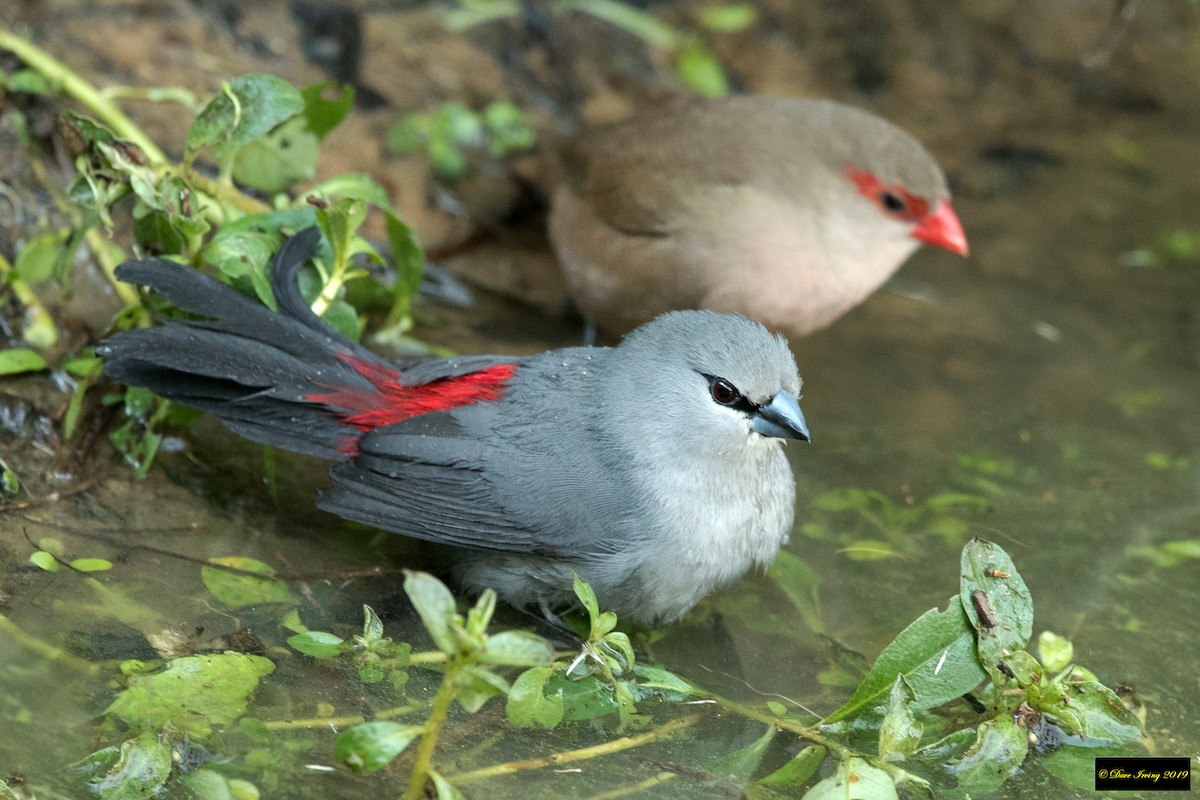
(528,704)
(700,70)
(408,256)
(194,694)
(799,582)
(436,607)
(991,591)
(507,128)
(91,565)
(355,185)
(20,359)
(797,771)
(1090,710)
(443,788)
(517,649)
(318,644)
(1055,651)
(854,779)
(659,679)
(278,159)
(140,769)
(372,745)
(343,318)
(372,626)
(248,107)
(1076,766)
(45,560)
(28,81)
(476,685)
(35,262)
(323,113)
(936,656)
(583,698)
(999,749)
(237,589)
(899,733)
(739,765)
(728,18)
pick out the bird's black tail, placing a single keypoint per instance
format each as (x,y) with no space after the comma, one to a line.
(285,379)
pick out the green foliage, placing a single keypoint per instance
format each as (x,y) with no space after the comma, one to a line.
(451,133)
(263,134)
(193,694)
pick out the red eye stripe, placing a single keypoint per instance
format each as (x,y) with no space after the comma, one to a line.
(891,198)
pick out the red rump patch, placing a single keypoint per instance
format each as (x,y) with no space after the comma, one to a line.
(391,401)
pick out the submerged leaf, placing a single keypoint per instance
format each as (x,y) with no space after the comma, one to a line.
(999,749)
(529,705)
(797,771)
(936,656)
(238,589)
(854,779)
(900,732)
(193,694)
(372,745)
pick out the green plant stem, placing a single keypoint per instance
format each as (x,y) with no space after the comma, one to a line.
(70,82)
(809,732)
(39,326)
(582,754)
(35,645)
(338,722)
(109,256)
(423,761)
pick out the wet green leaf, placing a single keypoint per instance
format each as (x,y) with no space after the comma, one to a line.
(476,685)
(45,560)
(854,779)
(799,582)
(91,564)
(900,732)
(999,749)
(35,262)
(247,107)
(324,112)
(372,745)
(529,705)
(997,603)
(739,765)
(436,607)
(140,770)
(444,789)
(507,128)
(194,694)
(657,678)
(516,649)
(318,644)
(1076,766)
(237,589)
(1055,651)
(935,654)
(28,81)
(16,360)
(700,70)
(1090,710)
(278,159)
(730,18)
(868,550)
(797,771)
(583,698)
(372,626)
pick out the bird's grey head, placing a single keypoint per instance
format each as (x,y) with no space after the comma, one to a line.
(711,380)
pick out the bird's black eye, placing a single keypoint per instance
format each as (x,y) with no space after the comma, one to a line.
(892,202)
(724,392)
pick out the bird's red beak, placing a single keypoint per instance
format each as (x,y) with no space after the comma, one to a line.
(942,229)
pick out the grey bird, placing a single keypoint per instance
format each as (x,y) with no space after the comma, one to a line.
(653,469)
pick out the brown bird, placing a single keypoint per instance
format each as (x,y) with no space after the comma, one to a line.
(789,211)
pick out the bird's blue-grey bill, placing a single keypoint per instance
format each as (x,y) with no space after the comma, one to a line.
(781,418)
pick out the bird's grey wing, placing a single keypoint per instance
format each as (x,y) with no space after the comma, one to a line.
(424,478)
